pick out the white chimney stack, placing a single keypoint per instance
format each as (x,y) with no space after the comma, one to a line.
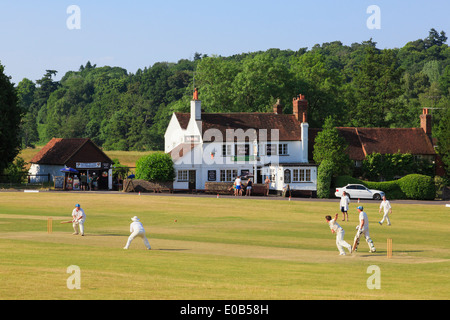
(305,127)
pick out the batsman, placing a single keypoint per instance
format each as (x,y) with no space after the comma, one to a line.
(363,229)
(79,217)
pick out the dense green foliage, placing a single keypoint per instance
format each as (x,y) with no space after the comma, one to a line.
(412,186)
(15,172)
(417,186)
(330,146)
(443,141)
(10,116)
(388,166)
(155,167)
(324,178)
(357,84)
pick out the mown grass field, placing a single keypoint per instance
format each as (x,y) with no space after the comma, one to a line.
(215,249)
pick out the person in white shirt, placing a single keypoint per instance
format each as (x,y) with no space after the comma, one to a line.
(339,231)
(238,185)
(363,229)
(78,218)
(345,200)
(387,209)
(137,230)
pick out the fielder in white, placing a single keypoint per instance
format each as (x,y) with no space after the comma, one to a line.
(339,231)
(345,200)
(387,209)
(137,230)
(78,218)
(363,229)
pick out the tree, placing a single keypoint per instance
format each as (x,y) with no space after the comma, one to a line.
(377,88)
(25,94)
(435,39)
(330,146)
(324,178)
(155,167)
(11,115)
(444,81)
(321,84)
(214,77)
(443,140)
(260,83)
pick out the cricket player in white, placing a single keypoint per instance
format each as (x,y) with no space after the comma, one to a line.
(363,228)
(137,230)
(78,218)
(339,231)
(345,200)
(386,206)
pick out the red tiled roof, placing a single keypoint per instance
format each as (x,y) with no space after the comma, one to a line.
(288,126)
(60,151)
(389,141)
(364,141)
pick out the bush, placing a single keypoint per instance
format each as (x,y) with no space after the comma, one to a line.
(390,188)
(324,177)
(155,167)
(387,166)
(341,181)
(417,186)
(15,172)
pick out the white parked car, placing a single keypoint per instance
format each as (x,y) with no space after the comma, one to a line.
(358,191)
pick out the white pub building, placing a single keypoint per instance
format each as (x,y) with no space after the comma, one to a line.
(218,147)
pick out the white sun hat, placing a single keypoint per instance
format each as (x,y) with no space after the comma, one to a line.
(135,218)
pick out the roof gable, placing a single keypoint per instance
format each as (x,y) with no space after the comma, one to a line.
(288,126)
(60,151)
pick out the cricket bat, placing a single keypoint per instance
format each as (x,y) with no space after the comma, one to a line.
(66,221)
(356,241)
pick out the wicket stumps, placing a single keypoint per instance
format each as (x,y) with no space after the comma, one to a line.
(389,248)
(49,225)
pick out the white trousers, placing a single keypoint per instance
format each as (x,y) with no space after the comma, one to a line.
(386,217)
(369,241)
(140,234)
(341,243)
(79,225)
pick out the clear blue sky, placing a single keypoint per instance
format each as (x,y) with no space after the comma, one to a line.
(134,34)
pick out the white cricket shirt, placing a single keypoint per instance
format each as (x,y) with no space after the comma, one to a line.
(363,215)
(77,214)
(386,205)
(135,226)
(334,226)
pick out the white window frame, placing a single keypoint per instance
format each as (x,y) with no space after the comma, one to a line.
(227,150)
(301,175)
(228,175)
(283,149)
(271,147)
(183,175)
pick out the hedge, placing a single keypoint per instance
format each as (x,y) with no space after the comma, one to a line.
(324,179)
(418,186)
(412,186)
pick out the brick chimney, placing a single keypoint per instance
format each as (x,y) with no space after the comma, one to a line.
(425,121)
(300,108)
(278,107)
(196,107)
